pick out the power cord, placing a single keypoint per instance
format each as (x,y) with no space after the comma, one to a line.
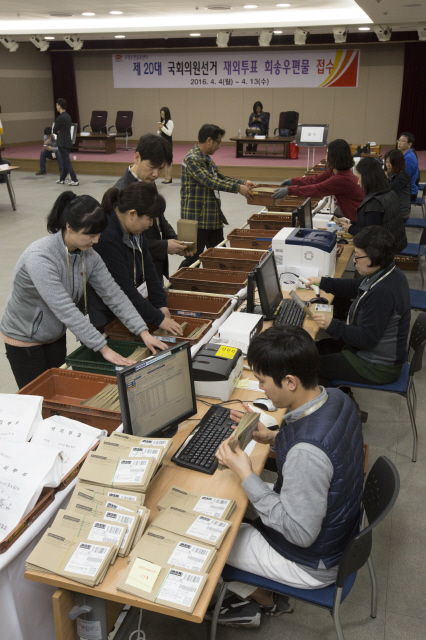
(138,634)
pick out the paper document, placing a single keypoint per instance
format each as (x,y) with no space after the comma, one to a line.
(19,416)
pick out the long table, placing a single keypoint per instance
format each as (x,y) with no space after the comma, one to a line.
(5,173)
(222,484)
(240,142)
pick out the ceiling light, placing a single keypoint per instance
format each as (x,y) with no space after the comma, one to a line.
(340,34)
(283,5)
(195,35)
(383,32)
(223,39)
(277,32)
(116,13)
(49,37)
(9,44)
(363,28)
(61,15)
(421,30)
(119,36)
(40,43)
(300,36)
(74,42)
(265,37)
(88,13)
(250,6)
(220,7)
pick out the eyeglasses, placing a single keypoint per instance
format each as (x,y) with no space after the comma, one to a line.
(356,258)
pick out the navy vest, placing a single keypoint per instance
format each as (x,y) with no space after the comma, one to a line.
(336,429)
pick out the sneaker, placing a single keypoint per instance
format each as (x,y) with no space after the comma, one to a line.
(237,613)
(41,173)
(60,181)
(73,183)
(274,609)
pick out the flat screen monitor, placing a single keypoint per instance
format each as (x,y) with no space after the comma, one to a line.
(303,214)
(268,286)
(158,393)
(312,135)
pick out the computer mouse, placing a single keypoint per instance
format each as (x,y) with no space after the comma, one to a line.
(319,300)
(264,403)
(342,241)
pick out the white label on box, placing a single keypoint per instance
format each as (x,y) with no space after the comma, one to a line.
(86,559)
(102,532)
(112,516)
(207,528)
(114,505)
(89,629)
(214,507)
(130,471)
(189,556)
(154,443)
(179,587)
(144,452)
(324,308)
(122,496)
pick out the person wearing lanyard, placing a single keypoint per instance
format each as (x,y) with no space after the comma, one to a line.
(123,248)
(49,293)
(371,346)
(294,531)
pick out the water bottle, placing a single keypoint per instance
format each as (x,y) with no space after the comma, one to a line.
(239,132)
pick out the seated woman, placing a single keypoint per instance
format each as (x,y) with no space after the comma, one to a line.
(337,180)
(400,180)
(371,346)
(380,205)
(258,120)
(123,248)
(49,296)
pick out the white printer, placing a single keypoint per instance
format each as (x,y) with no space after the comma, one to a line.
(308,252)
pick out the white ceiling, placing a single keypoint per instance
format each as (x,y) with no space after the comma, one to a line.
(178,18)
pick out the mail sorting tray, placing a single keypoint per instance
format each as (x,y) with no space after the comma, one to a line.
(85,359)
(231,259)
(208,280)
(197,305)
(269,221)
(117,330)
(251,238)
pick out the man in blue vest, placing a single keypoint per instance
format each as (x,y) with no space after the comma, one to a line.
(300,526)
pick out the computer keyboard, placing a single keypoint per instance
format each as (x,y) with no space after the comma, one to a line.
(290,313)
(198,450)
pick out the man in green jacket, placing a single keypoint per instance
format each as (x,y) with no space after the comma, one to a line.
(201,184)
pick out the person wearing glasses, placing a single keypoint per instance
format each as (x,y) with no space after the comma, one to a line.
(201,184)
(371,346)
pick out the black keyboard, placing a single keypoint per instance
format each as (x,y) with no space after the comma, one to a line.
(290,313)
(198,450)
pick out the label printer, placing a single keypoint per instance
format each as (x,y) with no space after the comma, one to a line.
(309,252)
(216,369)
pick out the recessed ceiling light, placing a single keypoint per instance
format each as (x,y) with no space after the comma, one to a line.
(220,7)
(61,15)
(194,35)
(119,36)
(277,31)
(363,28)
(116,13)
(283,5)
(250,6)
(88,13)
(49,37)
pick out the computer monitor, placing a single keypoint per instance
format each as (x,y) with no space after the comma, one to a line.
(268,286)
(303,214)
(158,393)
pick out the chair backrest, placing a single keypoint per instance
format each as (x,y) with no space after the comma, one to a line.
(418,343)
(98,121)
(124,121)
(293,116)
(423,238)
(380,493)
(268,114)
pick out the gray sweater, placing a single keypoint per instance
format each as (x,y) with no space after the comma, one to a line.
(42,304)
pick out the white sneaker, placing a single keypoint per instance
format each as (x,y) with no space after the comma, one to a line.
(73,183)
(60,182)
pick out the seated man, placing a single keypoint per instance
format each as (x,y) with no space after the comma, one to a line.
(304,521)
(50,151)
(371,346)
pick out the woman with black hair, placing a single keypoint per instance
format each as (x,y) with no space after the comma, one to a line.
(258,122)
(337,180)
(49,289)
(400,180)
(380,205)
(371,346)
(124,249)
(165,129)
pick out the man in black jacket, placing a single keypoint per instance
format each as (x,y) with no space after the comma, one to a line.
(62,128)
(152,154)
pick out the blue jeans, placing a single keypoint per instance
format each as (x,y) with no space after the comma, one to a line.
(67,166)
(48,154)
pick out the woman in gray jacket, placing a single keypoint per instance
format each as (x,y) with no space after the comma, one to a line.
(49,293)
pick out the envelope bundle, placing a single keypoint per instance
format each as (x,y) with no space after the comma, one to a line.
(221,508)
(192,525)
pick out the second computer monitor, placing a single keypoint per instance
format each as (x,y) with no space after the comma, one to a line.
(303,214)
(268,286)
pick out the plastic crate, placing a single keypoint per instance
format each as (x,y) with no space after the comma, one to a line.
(196,305)
(251,238)
(63,390)
(84,359)
(208,280)
(231,259)
(118,330)
(46,498)
(269,221)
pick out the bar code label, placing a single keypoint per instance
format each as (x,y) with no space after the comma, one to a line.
(122,496)
(144,452)
(130,471)
(180,588)
(207,529)
(86,559)
(189,556)
(102,532)
(113,516)
(214,507)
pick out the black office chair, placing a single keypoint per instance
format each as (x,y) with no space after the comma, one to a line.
(98,122)
(123,126)
(380,493)
(288,120)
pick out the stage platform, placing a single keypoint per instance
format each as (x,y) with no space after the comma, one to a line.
(259,167)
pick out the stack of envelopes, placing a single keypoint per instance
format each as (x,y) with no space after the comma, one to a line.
(221,508)
(192,525)
(133,474)
(122,445)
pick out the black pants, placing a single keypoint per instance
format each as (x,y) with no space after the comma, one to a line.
(413,197)
(28,363)
(334,365)
(205,238)
(67,166)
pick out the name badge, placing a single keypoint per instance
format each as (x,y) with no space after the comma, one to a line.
(143,290)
